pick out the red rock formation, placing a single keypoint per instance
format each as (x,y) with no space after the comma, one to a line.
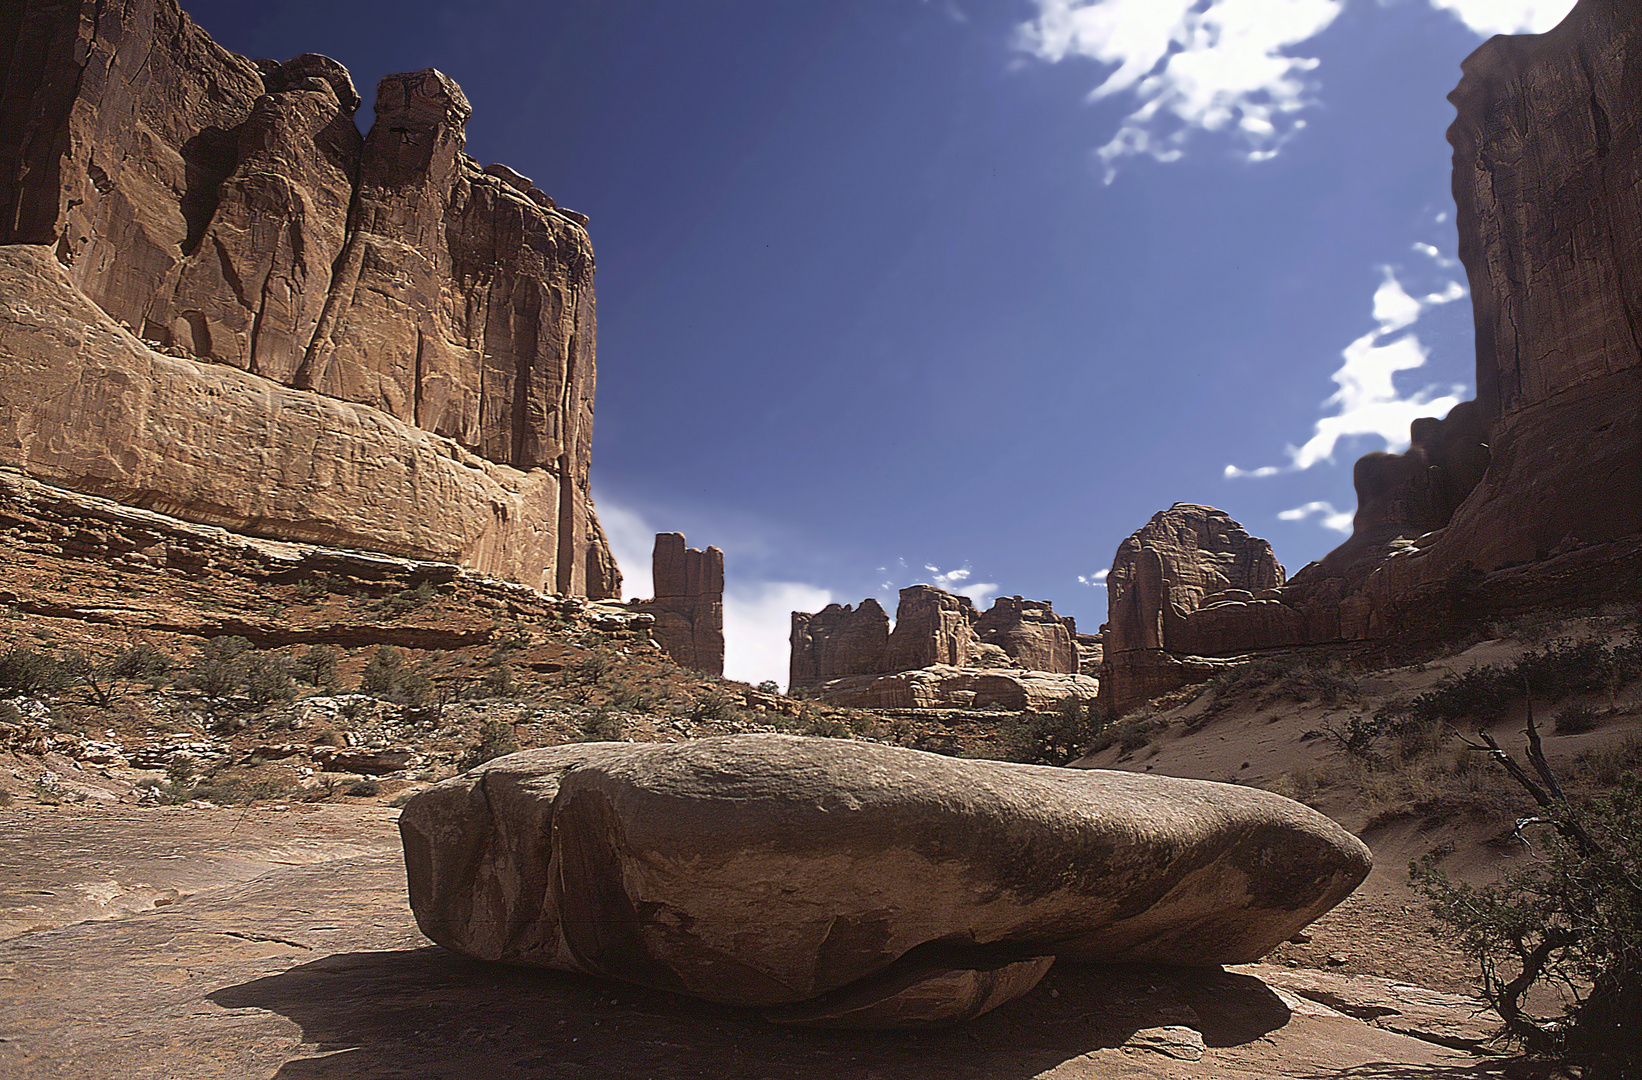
(1159,579)
(1019,654)
(1031,634)
(689,603)
(931,627)
(229,212)
(836,641)
(1530,496)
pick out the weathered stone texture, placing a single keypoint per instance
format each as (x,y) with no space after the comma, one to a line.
(836,641)
(229,211)
(212,444)
(1159,580)
(689,603)
(1031,634)
(837,651)
(931,627)
(862,879)
(942,686)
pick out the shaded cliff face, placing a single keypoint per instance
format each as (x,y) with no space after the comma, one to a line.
(229,212)
(1547,141)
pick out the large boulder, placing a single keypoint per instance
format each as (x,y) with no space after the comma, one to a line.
(851,883)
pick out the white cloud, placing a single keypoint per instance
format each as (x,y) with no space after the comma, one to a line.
(1191,66)
(1368,401)
(1490,17)
(980,594)
(757,614)
(1097,580)
(1338,520)
(757,624)
(631,541)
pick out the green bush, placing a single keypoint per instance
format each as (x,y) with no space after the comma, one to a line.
(218,669)
(269,677)
(24,671)
(1572,918)
(1054,738)
(496,738)
(316,666)
(387,676)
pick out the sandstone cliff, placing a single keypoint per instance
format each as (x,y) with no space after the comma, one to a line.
(689,603)
(1531,495)
(227,213)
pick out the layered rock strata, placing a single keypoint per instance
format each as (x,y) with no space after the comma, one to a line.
(1531,495)
(228,213)
(689,603)
(932,628)
(852,884)
(942,686)
(1156,592)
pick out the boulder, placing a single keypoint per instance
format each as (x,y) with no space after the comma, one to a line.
(827,880)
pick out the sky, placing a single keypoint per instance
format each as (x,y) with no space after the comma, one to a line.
(964,291)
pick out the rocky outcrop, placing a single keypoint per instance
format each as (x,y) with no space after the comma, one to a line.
(853,884)
(942,686)
(1031,634)
(689,603)
(833,649)
(931,627)
(229,213)
(837,641)
(1184,558)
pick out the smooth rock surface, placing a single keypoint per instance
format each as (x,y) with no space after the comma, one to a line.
(773,870)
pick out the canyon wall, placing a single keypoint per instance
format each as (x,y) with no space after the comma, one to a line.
(233,260)
(1528,497)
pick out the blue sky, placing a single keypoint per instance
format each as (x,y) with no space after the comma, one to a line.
(895,291)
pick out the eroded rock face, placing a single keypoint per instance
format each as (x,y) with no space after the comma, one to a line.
(942,686)
(837,641)
(835,650)
(1031,634)
(1160,579)
(689,603)
(86,405)
(777,871)
(229,211)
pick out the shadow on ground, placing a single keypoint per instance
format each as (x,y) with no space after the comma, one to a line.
(424,1013)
